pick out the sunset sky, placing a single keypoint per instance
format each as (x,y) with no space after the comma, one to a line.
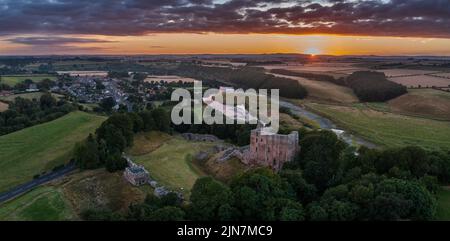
(338,27)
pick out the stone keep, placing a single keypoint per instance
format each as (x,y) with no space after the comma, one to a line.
(272,150)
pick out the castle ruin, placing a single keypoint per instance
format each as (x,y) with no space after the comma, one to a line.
(271,150)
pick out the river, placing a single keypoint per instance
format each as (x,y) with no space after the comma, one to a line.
(327,124)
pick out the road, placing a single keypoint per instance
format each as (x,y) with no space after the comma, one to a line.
(36,182)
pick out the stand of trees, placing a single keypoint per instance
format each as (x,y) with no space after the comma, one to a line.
(116,134)
(327,181)
(371,86)
(246,77)
(24,113)
(312,76)
(368,86)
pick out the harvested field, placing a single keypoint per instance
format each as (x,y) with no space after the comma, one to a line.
(421,80)
(404,72)
(168,78)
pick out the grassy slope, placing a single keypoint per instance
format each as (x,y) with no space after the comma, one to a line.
(170,164)
(66,198)
(39,148)
(12,80)
(443,207)
(423,102)
(388,129)
(42,204)
(325,91)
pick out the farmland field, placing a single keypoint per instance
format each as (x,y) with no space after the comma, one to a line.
(388,129)
(39,148)
(404,72)
(29,96)
(84,73)
(336,70)
(421,80)
(168,78)
(3,106)
(171,163)
(423,102)
(325,91)
(12,80)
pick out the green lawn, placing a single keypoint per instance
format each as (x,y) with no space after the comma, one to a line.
(388,129)
(33,150)
(41,204)
(443,207)
(171,164)
(12,80)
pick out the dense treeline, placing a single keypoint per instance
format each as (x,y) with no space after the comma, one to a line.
(116,134)
(244,77)
(236,134)
(327,181)
(24,113)
(373,86)
(368,86)
(312,76)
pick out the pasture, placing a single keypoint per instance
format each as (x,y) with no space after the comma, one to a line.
(324,91)
(68,197)
(12,80)
(29,96)
(41,204)
(423,102)
(39,148)
(171,163)
(388,129)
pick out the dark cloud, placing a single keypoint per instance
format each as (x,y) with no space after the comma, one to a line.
(53,40)
(421,18)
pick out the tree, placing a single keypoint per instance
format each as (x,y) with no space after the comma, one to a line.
(47,101)
(86,154)
(168,213)
(115,162)
(207,197)
(108,103)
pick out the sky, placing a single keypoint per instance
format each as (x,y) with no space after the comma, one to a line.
(337,27)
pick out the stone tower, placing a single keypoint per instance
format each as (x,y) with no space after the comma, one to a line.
(272,150)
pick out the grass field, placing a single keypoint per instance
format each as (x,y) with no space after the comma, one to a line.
(41,204)
(36,149)
(3,106)
(443,207)
(66,198)
(423,102)
(171,163)
(12,80)
(30,96)
(388,129)
(324,91)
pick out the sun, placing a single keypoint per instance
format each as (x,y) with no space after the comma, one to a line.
(312,51)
